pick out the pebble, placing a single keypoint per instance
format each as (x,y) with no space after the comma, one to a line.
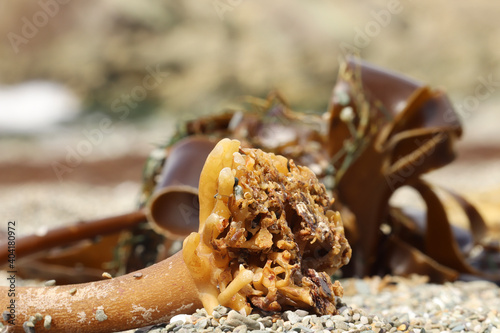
(267,322)
(292,317)
(384,305)
(201,324)
(49,283)
(182,318)
(47,322)
(236,319)
(240,329)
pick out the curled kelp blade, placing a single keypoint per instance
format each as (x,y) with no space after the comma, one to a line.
(373,105)
(173,210)
(441,245)
(432,243)
(169,199)
(385,131)
(404,259)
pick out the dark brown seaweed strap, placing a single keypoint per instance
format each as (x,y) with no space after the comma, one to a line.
(440,243)
(385,131)
(404,260)
(69,234)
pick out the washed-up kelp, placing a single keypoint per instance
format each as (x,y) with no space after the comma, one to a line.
(382,131)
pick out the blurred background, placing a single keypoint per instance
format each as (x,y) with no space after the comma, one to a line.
(89,88)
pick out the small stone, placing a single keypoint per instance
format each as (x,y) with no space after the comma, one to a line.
(458,328)
(72,291)
(172,324)
(49,283)
(137,275)
(226,328)
(363,320)
(402,327)
(233,322)
(240,329)
(6,315)
(222,310)
(341,325)
(316,320)
(267,322)
(254,316)
(202,312)
(106,275)
(301,313)
(182,318)
(345,309)
(292,317)
(301,329)
(356,316)
(236,319)
(201,324)
(47,322)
